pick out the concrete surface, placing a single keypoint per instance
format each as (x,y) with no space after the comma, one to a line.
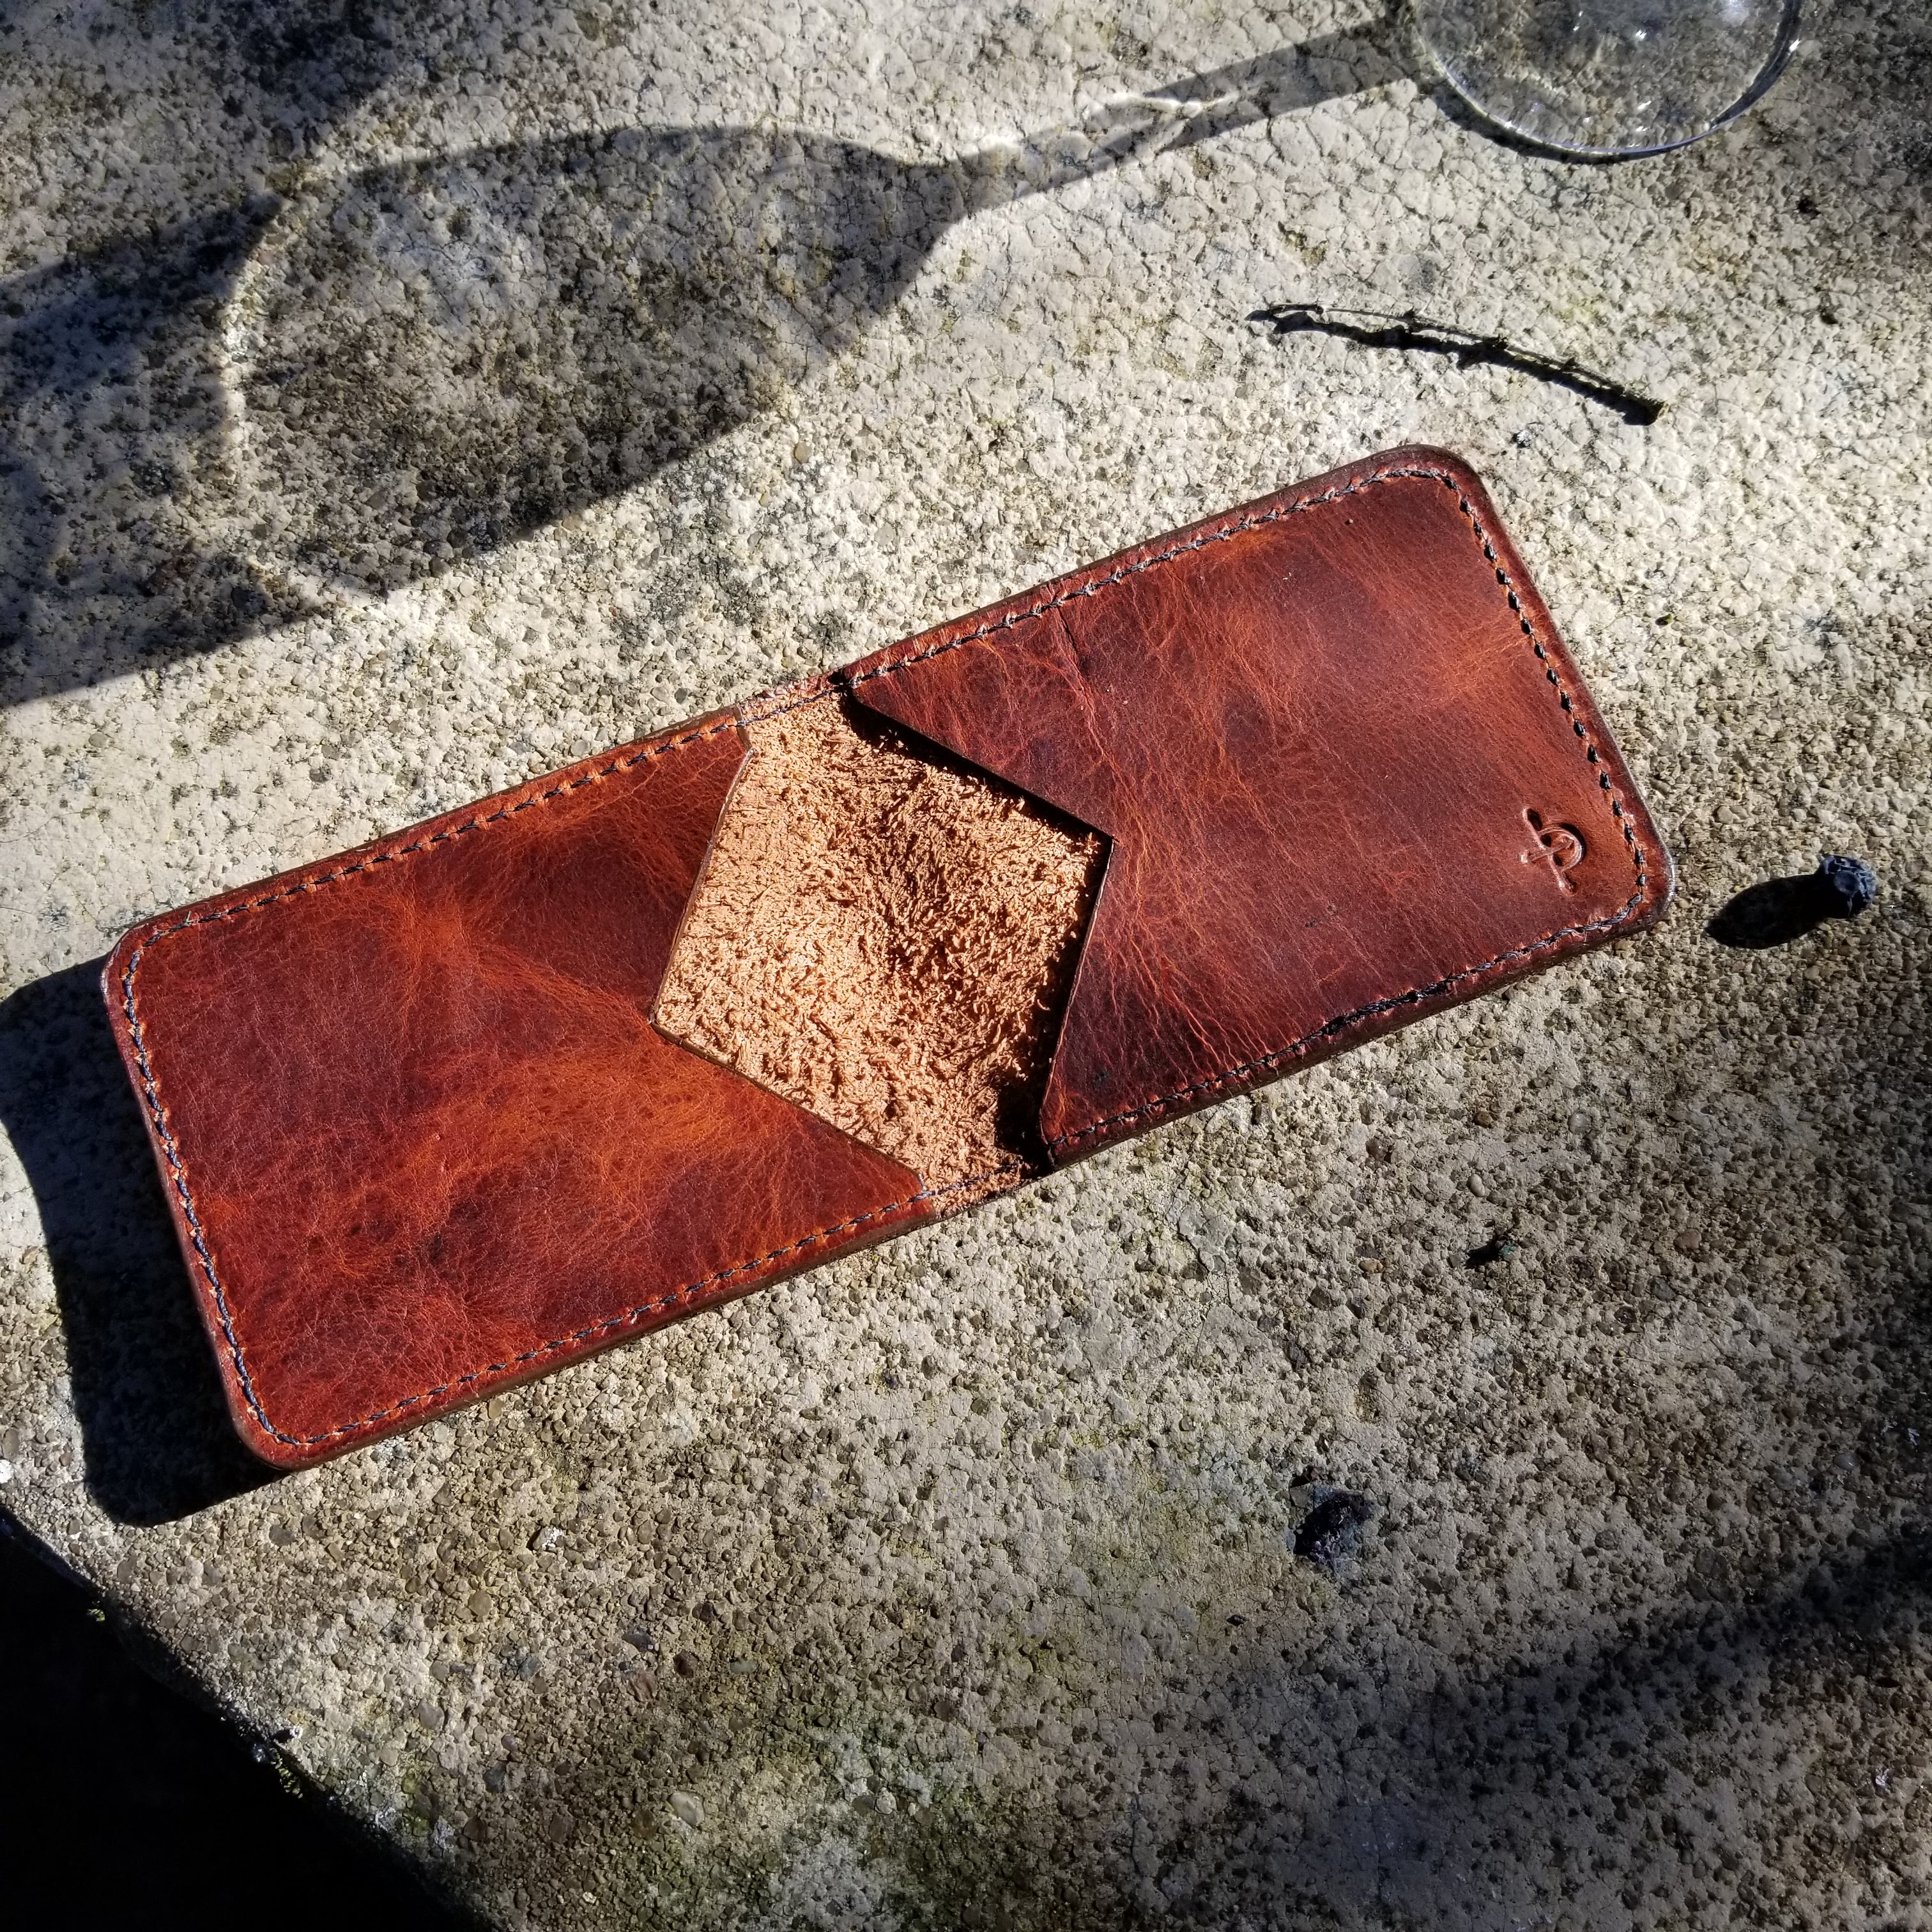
(958,1585)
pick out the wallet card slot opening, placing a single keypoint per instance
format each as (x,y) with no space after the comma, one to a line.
(885,934)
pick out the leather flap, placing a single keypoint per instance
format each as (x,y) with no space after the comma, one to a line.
(1348,770)
(419,1137)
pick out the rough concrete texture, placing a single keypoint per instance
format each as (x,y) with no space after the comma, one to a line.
(957,1584)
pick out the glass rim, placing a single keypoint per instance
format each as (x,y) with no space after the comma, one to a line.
(1789,37)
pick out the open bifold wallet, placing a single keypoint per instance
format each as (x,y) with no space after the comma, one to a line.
(473,1102)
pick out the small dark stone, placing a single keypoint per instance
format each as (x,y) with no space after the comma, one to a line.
(1852,882)
(1497,1248)
(1332,1531)
(684,1664)
(1775,911)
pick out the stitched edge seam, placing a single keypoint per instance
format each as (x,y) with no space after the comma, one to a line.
(1221,533)
(1342,1021)
(1415,995)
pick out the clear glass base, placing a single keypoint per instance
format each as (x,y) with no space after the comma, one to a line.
(1608,77)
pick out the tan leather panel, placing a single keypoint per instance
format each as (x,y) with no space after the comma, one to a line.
(886,941)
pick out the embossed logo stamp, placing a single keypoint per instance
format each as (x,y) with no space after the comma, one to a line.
(1562,845)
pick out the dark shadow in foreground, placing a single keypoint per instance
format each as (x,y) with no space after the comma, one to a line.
(1517,1796)
(128,1803)
(154,1423)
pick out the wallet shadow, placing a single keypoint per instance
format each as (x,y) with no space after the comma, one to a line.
(155,1432)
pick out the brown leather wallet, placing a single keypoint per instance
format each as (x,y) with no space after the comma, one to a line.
(473,1102)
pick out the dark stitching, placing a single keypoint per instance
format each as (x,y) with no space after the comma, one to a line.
(610,770)
(606,1328)
(1342,1021)
(746,715)
(1120,572)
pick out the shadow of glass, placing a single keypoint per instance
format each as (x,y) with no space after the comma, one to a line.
(535,327)
(538,326)
(108,531)
(154,1423)
(408,367)
(122,544)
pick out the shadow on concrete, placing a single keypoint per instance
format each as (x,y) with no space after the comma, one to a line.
(1596,1750)
(200,443)
(154,1422)
(136,1804)
(119,547)
(388,374)
(113,422)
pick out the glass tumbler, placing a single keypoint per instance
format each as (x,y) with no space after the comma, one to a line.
(1607,78)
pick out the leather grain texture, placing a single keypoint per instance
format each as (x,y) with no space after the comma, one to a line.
(1349,773)
(421,1139)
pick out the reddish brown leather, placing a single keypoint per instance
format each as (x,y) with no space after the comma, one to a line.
(1335,742)
(420,1140)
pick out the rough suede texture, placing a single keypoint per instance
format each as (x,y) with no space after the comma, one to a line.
(886,941)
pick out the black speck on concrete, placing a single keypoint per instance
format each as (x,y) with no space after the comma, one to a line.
(1332,1531)
(1776,911)
(1851,881)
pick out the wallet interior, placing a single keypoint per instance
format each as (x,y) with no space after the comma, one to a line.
(885,935)
(483,1097)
